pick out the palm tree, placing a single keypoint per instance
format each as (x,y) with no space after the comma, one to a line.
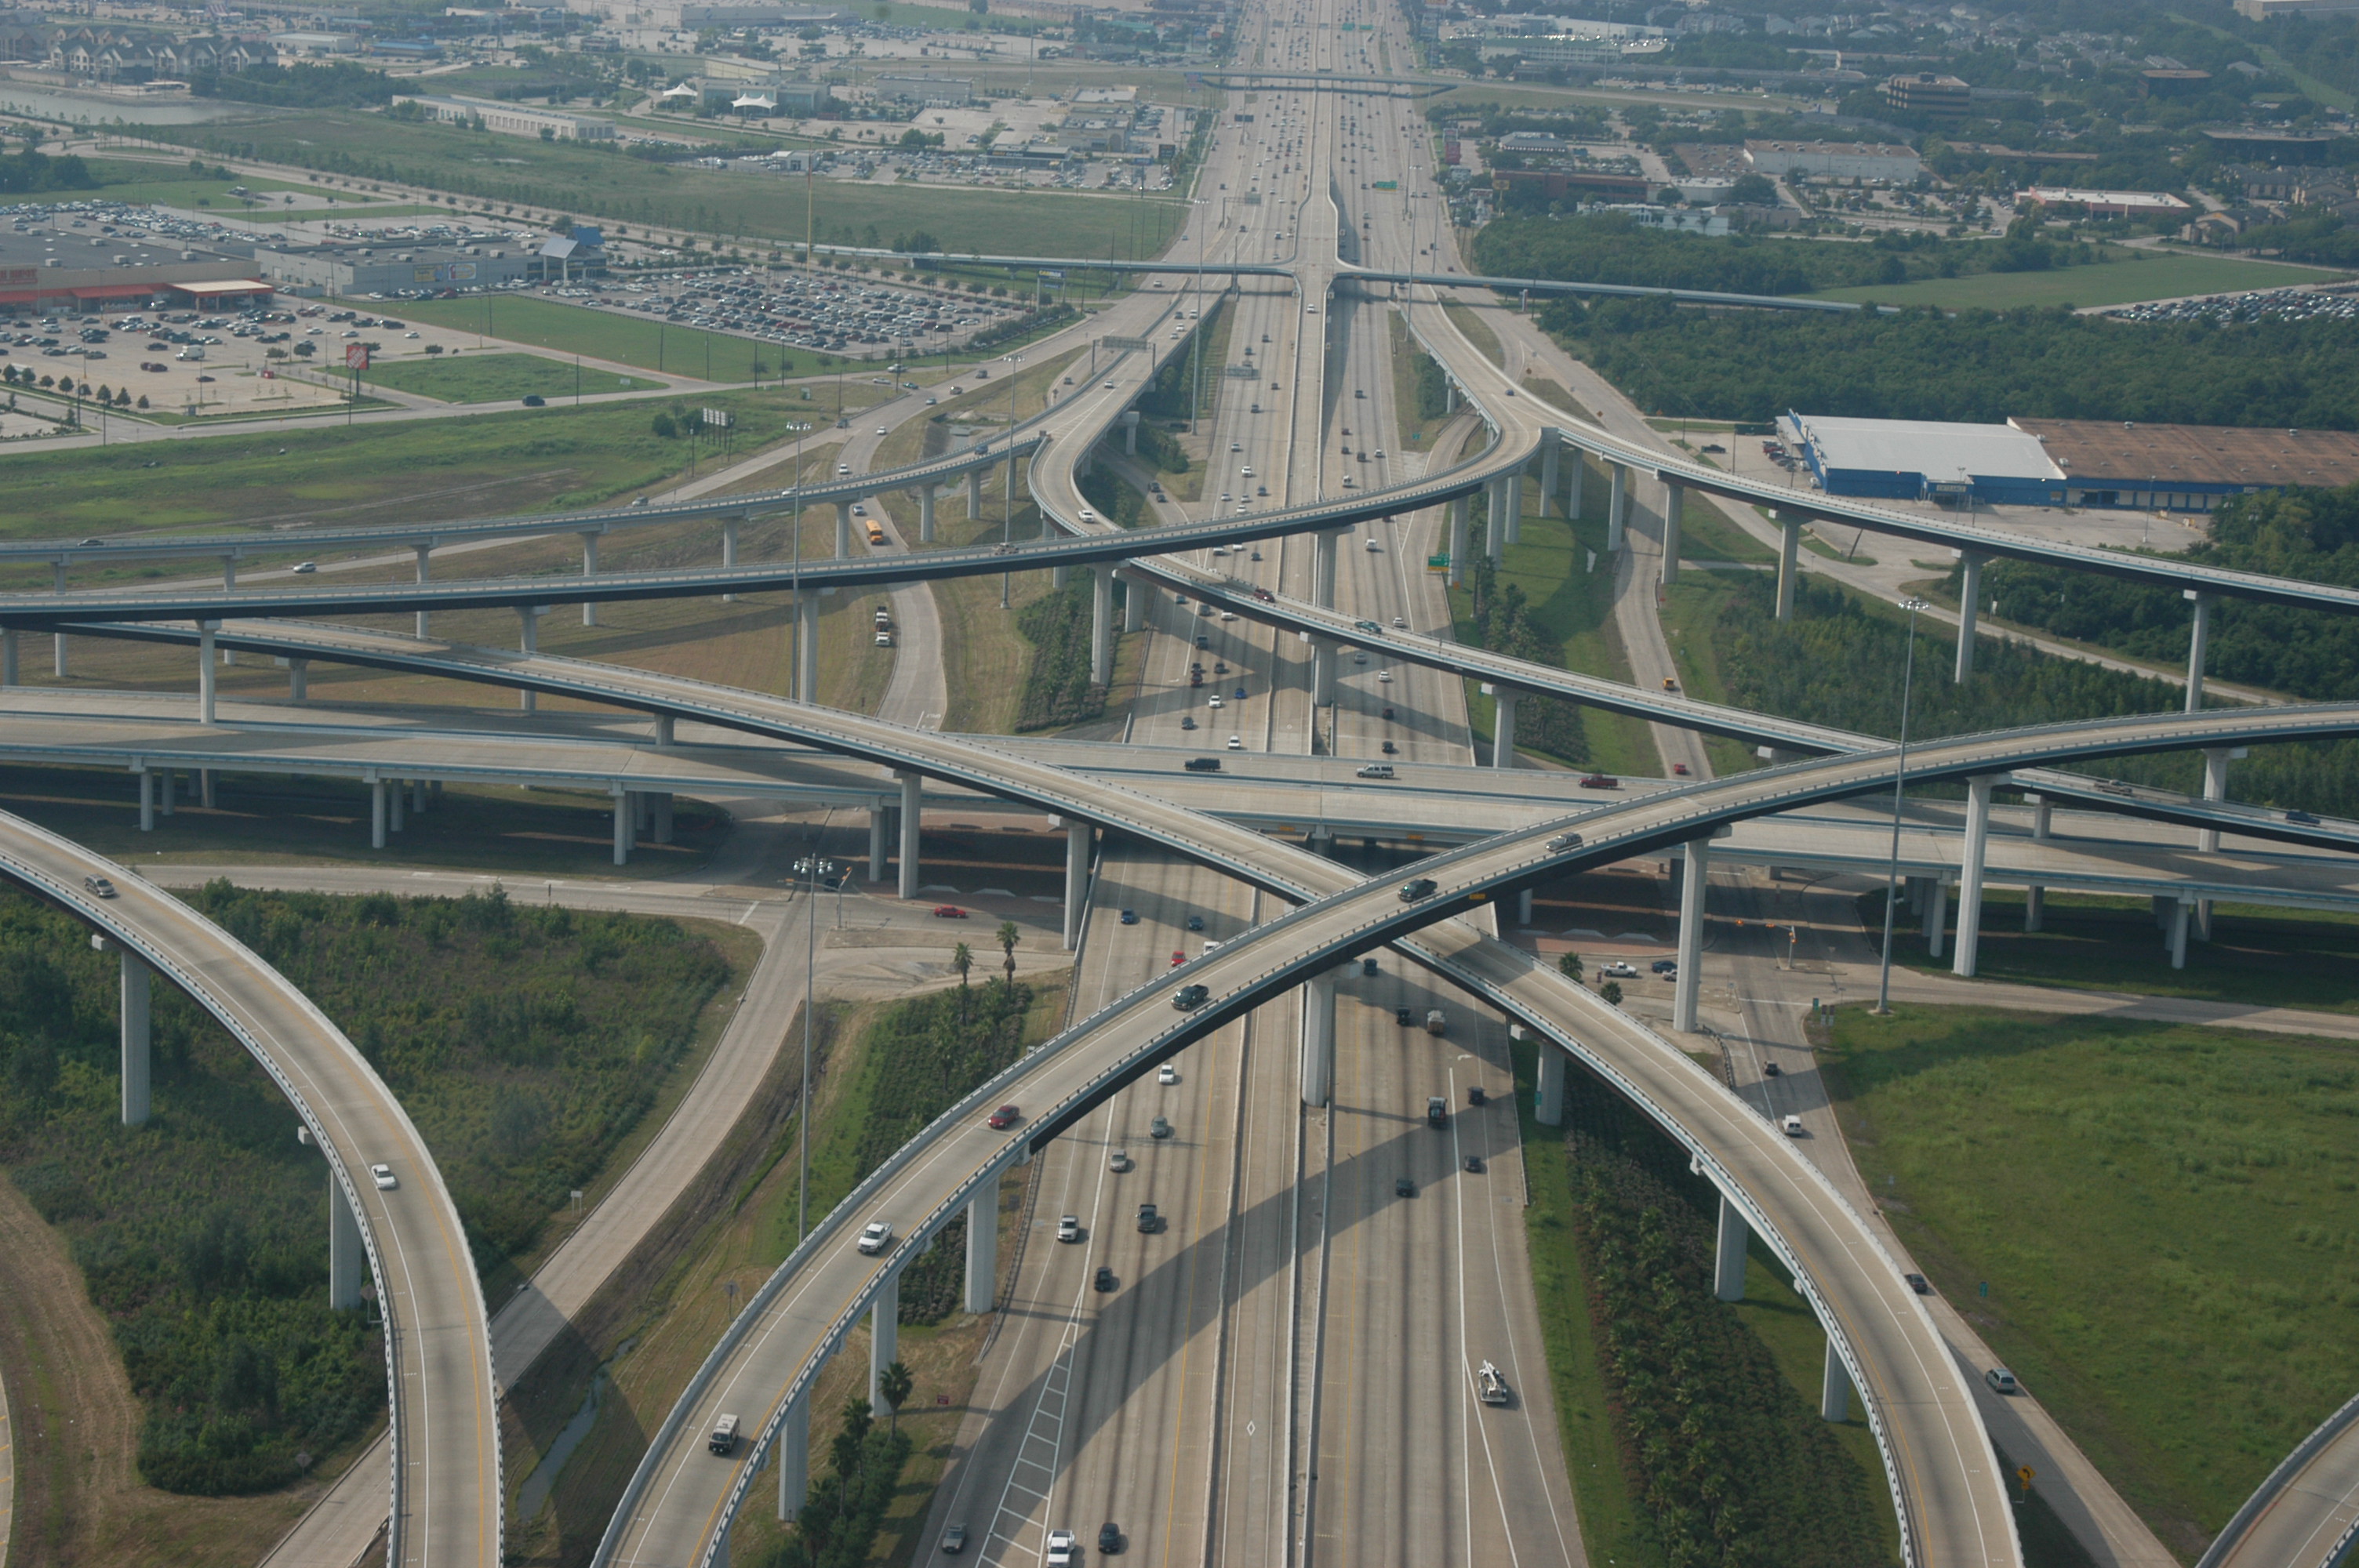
(962,960)
(1008,936)
(893,1386)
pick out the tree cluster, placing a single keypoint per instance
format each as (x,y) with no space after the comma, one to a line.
(837,1524)
(1058,690)
(1503,622)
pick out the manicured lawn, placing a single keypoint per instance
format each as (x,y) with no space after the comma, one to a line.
(2164,1217)
(2111,283)
(486,378)
(619,336)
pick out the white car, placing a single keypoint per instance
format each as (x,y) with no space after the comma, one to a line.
(882,431)
(1384,677)
(304,568)
(1216,702)
(384,1177)
(1167,1074)
(1069,1228)
(1793,1126)
(1618,970)
(1060,1542)
(876,1237)
(1237,742)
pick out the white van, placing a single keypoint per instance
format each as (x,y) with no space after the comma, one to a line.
(724,1440)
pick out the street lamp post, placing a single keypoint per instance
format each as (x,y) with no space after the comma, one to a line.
(1899,778)
(811,989)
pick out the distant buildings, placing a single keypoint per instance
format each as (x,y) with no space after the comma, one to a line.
(1890,164)
(2110,203)
(511,119)
(928,91)
(2269,10)
(1943,98)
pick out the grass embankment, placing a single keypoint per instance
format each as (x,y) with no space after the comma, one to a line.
(1468,320)
(2257,956)
(1689,612)
(1563,613)
(359,151)
(488,378)
(2154,277)
(2163,1216)
(884,1071)
(622,337)
(1420,392)
(529,1045)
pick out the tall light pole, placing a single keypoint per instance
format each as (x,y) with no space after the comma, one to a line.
(811,989)
(1899,777)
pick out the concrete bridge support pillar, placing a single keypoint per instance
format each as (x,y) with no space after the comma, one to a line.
(147,802)
(1695,862)
(842,529)
(1459,510)
(975,495)
(299,680)
(396,794)
(1494,531)
(729,550)
(2181,909)
(589,569)
(57,654)
(807,648)
(1936,913)
(423,573)
(1318,1037)
(1547,1108)
(2035,900)
(1969,592)
(925,514)
(1617,505)
(1834,1388)
(205,788)
(911,785)
(1135,592)
(879,815)
(884,1336)
(1503,729)
(1789,562)
(2216,787)
(377,814)
(794,1458)
(1322,673)
(1079,838)
(622,834)
(530,615)
(171,782)
(1324,548)
(1675,503)
(205,681)
(2198,641)
(1552,456)
(1513,534)
(1102,633)
(1578,471)
(660,803)
(346,1258)
(1969,876)
(982,1248)
(11,669)
(1728,1257)
(137,1040)
(1524,907)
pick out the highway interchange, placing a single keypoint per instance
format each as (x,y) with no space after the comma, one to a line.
(1284,1374)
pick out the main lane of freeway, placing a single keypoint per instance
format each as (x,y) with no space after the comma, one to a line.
(445,1496)
(1933,1467)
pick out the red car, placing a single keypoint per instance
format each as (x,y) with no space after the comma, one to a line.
(1601,781)
(1177,957)
(1005,1116)
(949,912)
(1680,769)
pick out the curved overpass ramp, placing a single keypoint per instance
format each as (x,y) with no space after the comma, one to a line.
(444,1489)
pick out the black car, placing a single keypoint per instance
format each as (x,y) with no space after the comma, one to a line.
(1404,1188)
(534,400)
(1917,1282)
(1105,1278)
(1195,923)
(2303,817)
(1771,1070)
(1188,998)
(1474,1164)
(1664,966)
(1477,1095)
(1109,1537)
(1402,1016)
(1417,888)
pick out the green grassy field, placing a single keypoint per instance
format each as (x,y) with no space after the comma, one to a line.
(362,152)
(2270,957)
(479,465)
(615,335)
(2165,1217)
(485,378)
(2111,283)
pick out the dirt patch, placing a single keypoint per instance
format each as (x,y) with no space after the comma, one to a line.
(79,1497)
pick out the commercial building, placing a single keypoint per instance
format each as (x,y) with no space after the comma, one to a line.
(1929,92)
(2269,10)
(355,270)
(2097,463)
(933,91)
(2110,203)
(43,270)
(511,119)
(1893,164)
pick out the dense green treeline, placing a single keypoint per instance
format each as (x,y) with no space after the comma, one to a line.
(1613,248)
(1730,1467)
(837,1524)
(332,84)
(1504,624)
(525,1043)
(923,1055)
(2310,535)
(1977,365)
(1058,690)
(30,171)
(1838,662)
